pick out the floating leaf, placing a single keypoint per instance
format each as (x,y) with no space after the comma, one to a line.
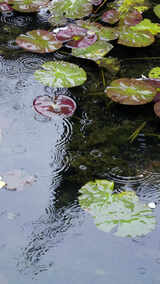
(129,37)
(111,16)
(74,9)
(147,25)
(156,10)
(132,18)
(61,74)
(59,105)
(154,73)
(17,179)
(28,5)
(122,212)
(4,7)
(94,52)
(157,108)
(76,37)
(104,33)
(39,41)
(130,91)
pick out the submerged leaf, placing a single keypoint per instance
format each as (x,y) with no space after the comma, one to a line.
(61,74)
(122,212)
(130,91)
(17,179)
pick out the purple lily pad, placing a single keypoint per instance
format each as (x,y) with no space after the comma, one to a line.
(130,91)
(67,33)
(111,16)
(85,41)
(49,106)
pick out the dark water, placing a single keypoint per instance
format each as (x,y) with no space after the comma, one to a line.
(44,234)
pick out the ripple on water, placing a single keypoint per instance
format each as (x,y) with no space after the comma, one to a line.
(19,21)
(149,190)
(29,64)
(117,175)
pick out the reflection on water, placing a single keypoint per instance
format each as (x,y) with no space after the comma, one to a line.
(41,225)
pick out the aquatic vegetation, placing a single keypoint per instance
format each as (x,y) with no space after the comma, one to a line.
(122,213)
(50,106)
(60,74)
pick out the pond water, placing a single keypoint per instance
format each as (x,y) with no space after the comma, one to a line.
(45,235)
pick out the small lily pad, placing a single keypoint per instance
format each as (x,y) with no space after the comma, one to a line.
(61,74)
(130,91)
(122,212)
(50,106)
(39,41)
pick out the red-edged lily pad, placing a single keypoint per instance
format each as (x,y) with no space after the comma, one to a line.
(69,32)
(39,41)
(157,108)
(4,7)
(83,42)
(50,106)
(130,91)
(75,36)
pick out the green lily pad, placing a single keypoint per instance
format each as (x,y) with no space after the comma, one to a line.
(130,91)
(94,52)
(129,37)
(74,9)
(39,41)
(122,212)
(154,73)
(156,10)
(60,74)
(147,25)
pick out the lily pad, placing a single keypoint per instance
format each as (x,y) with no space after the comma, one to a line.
(111,16)
(94,52)
(154,73)
(74,9)
(38,41)
(50,106)
(75,36)
(122,212)
(129,37)
(130,91)
(61,74)
(147,25)
(156,10)
(28,5)
(133,18)
(157,108)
